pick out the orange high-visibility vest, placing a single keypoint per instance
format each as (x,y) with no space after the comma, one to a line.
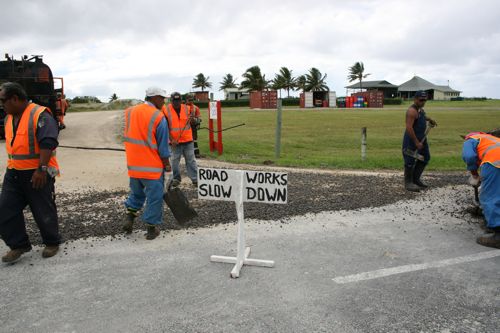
(488,149)
(143,158)
(193,110)
(179,126)
(24,153)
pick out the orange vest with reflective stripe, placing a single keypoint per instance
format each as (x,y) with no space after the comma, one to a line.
(179,126)
(488,149)
(143,158)
(193,110)
(24,153)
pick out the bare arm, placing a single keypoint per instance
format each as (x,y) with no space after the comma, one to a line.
(431,121)
(39,178)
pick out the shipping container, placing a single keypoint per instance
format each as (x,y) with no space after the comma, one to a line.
(373,98)
(332,99)
(201,96)
(265,99)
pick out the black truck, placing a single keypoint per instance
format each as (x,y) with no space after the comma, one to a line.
(36,78)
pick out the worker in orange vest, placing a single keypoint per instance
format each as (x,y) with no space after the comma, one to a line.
(194,111)
(30,140)
(181,139)
(62,106)
(147,150)
(481,153)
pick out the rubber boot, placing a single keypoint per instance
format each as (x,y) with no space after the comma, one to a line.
(409,185)
(417,173)
(128,226)
(152,232)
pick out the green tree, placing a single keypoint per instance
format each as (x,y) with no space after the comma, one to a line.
(113,97)
(356,72)
(227,82)
(254,80)
(200,81)
(300,83)
(284,80)
(315,81)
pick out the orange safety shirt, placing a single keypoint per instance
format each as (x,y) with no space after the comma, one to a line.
(488,149)
(24,152)
(179,125)
(143,158)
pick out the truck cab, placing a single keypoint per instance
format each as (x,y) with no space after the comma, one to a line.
(35,77)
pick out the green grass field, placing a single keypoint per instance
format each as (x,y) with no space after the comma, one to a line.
(331,138)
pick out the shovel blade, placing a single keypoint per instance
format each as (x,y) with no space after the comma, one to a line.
(413,153)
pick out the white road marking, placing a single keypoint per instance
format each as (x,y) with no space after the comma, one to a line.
(415,267)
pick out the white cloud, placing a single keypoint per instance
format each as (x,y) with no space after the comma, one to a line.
(123,47)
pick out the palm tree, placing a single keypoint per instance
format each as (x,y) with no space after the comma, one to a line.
(315,81)
(300,83)
(356,73)
(200,81)
(113,97)
(227,82)
(254,80)
(284,80)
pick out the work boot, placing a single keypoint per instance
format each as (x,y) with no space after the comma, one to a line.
(491,241)
(153,232)
(50,251)
(15,254)
(129,222)
(409,185)
(417,173)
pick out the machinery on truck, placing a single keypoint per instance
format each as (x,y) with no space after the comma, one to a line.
(36,78)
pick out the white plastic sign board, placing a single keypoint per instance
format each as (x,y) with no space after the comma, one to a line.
(267,187)
(258,186)
(213,110)
(240,186)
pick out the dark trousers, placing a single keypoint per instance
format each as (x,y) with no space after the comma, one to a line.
(17,193)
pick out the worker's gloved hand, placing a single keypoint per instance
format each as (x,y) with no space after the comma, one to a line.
(474,180)
(432,122)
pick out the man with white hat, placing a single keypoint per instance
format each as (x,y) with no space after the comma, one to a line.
(146,145)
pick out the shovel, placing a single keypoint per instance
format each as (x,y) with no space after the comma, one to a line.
(414,153)
(178,203)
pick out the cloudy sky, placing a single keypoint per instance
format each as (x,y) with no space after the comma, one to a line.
(107,46)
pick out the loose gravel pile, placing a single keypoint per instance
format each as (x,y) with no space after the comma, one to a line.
(95,213)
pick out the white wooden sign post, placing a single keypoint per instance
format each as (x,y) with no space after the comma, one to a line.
(240,186)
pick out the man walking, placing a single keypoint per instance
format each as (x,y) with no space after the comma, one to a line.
(61,106)
(181,139)
(195,121)
(481,152)
(30,140)
(146,146)
(414,140)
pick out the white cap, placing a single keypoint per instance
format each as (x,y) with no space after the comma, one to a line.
(155,91)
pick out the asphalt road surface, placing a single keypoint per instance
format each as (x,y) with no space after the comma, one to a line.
(353,253)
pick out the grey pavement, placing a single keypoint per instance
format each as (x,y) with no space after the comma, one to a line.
(170,285)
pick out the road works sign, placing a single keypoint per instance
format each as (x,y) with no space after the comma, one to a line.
(242,186)
(254,186)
